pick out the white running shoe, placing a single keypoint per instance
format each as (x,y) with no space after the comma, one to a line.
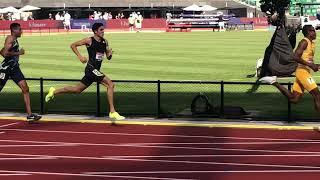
(268,79)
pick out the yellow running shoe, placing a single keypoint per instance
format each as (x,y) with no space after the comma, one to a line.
(116,116)
(50,94)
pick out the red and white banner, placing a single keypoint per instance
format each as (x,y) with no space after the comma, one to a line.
(33,24)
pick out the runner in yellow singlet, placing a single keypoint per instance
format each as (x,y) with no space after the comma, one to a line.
(304,55)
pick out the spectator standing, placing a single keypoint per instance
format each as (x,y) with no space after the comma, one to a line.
(105,16)
(131,21)
(57,17)
(50,16)
(138,22)
(110,15)
(67,19)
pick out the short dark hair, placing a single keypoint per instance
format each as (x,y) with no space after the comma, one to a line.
(96,26)
(14,26)
(306,29)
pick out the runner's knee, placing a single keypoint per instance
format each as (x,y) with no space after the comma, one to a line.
(111,84)
(294,100)
(25,89)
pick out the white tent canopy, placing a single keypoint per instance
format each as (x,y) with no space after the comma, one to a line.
(29,8)
(9,9)
(193,7)
(208,8)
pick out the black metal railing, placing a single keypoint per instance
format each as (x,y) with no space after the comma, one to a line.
(163,99)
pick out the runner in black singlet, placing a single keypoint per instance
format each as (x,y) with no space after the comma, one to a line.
(10,68)
(97,48)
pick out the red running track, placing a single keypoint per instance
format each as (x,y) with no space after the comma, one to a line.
(61,150)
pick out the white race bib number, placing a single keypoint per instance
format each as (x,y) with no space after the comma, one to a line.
(311,81)
(99,56)
(97,73)
(2,75)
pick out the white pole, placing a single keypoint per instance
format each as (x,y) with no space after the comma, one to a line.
(89,6)
(64,5)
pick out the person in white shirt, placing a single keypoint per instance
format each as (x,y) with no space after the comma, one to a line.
(110,15)
(67,18)
(138,22)
(131,21)
(57,17)
(96,15)
(105,16)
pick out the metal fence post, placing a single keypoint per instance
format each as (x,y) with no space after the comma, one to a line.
(222,98)
(98,113)
(158,100)
(289,105)
(41,96)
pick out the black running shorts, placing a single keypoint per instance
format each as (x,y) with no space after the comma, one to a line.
(92,75)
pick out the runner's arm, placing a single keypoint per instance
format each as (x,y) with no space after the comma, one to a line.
(7,45)
(298,53)
(74,46)
(109,53)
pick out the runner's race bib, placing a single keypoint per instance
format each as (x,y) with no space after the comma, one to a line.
(97,73)
(2,75)
(99,56)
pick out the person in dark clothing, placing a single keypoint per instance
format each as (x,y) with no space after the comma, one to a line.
(304,56)
(10,68)
(97,48)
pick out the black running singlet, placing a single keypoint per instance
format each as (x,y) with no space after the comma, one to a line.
(12,60)
(97,52)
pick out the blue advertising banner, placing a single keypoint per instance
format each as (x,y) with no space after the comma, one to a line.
(85,23)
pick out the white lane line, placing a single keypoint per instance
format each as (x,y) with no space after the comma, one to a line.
(24,158)
(14,174)
(34,145)
(170,147)
(224,143)
(11,124)
(24,155)
(217,155)
(160,135)
(177,161)
(191,172)
(218,163)
(91,175)
(39,142)
(160,143)
(2,132)
(186,156)
(166,156)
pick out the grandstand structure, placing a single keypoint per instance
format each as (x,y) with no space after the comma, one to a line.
(309,7)
(242,8)
(127,3)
